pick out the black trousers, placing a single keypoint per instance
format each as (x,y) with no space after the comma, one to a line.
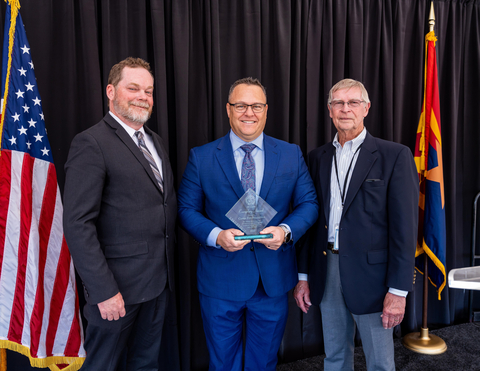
(139,332)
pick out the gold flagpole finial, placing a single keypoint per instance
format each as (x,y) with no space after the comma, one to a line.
(431,17)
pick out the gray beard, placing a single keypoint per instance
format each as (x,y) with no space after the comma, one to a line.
(130,115)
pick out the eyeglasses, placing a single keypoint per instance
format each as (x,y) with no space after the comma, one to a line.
(242,107)
(338,104)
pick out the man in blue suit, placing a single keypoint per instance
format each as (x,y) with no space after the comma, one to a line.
(360,254)
(245,281)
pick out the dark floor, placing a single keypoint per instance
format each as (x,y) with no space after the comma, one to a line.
(463,353)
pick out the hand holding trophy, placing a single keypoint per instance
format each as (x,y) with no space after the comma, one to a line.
(251,214)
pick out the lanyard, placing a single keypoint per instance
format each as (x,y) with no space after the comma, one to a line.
(346,176)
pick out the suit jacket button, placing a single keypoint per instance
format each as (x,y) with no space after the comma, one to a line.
(251,248)
(324,253)
(326,227)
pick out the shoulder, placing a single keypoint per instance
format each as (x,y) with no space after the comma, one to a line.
(386,148)
(210,147)
(271,142)
(320,151)
(388,145)
(101,128)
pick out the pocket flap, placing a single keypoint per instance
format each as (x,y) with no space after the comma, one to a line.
(378,256)
(126,250)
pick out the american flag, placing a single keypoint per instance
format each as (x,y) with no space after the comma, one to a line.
(39,309)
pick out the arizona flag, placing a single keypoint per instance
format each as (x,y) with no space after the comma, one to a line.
(39,309)
(428,158)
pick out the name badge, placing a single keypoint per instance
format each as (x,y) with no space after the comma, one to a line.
(335,243)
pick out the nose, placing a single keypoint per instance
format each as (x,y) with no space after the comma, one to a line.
(247,111)
(345,107)
(142,95)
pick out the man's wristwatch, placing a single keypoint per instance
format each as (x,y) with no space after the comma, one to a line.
(288,234)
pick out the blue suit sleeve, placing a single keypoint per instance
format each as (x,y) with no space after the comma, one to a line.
(191,199)
(304,201)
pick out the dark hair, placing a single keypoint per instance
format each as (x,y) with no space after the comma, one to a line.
(116,72)
(246,81)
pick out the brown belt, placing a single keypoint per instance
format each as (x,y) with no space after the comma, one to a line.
(330,247)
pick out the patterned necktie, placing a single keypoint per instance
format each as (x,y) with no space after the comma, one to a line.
(248,168)
(149,157)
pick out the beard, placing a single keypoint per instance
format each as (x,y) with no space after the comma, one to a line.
(130,113)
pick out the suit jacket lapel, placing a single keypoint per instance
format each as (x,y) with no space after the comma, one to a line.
(226,161)
(365,161)
(272,159)
(128,141)
(325,172)
(164,157)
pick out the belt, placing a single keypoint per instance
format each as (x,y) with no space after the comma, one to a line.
(330,247)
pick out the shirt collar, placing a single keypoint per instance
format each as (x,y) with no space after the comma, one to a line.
(356,142)
(237,142)
(128,129)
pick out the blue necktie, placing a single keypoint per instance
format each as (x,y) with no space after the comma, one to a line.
(149,157)
(248,168)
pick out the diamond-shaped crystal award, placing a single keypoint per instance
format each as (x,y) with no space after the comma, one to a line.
(251,214)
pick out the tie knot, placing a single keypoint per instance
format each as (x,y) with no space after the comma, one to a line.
(248,148)
(139,136)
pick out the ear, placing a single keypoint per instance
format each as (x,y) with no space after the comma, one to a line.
(329,110)
(367,108)
(110,91)
(227,107)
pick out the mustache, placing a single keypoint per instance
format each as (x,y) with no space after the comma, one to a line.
(140,104)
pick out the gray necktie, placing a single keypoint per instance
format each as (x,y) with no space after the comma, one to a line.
(149,157)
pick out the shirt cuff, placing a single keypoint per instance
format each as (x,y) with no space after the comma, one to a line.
(397,292)
(303,277)
(212,237)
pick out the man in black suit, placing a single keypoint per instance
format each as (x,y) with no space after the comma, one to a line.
(360,254)
(119,219)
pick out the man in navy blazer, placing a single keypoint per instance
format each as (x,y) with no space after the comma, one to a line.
(358,261)
(245,281)
(119,223)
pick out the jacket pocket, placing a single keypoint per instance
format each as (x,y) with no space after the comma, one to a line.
(378,256)
(126,250)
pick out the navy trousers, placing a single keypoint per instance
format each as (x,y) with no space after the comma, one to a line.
(265,319)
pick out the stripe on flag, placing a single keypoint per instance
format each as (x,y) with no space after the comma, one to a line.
(39,309)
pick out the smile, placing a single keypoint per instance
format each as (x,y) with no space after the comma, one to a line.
(140,105)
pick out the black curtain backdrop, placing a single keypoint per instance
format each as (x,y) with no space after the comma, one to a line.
(298,49)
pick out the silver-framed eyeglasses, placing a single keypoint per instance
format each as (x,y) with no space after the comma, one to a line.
(242,107)
(338,104)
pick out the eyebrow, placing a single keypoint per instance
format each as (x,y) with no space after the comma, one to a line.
(137,85)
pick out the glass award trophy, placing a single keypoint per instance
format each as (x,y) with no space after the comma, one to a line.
(251,214)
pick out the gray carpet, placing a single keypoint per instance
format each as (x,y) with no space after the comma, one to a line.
(463,353)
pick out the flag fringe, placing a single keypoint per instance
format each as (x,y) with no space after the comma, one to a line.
(425,249)
(74,363)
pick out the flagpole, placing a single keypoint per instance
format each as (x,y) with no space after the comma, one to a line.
(3,359)
(423,342)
